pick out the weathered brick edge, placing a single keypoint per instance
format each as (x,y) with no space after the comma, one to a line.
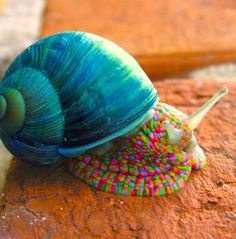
(20,25)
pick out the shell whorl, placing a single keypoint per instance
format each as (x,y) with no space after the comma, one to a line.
(34,138)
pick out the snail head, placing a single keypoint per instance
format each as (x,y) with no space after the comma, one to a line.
(179,130)
(170,134)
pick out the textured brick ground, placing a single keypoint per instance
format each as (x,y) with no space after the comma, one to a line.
(166,37)
(50,203)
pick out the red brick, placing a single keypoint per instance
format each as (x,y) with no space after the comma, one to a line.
(166,37)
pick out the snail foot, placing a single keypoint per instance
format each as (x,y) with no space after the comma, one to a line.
(127,175)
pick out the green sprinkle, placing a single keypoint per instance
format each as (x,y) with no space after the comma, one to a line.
(163,191)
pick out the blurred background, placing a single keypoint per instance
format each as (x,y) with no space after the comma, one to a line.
(170,39)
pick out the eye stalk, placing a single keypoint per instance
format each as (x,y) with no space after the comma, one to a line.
(174,135)
(196,118)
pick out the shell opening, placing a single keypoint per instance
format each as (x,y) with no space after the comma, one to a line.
(195,119)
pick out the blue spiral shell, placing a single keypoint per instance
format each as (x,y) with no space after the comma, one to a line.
(80,91)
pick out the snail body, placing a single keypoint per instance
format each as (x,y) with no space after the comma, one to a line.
(79,98)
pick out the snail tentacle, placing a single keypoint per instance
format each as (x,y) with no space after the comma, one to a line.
(195,119)
(174,135)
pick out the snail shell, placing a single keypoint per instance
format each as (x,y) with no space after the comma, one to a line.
(68,93)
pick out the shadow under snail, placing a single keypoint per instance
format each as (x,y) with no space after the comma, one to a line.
(78,98)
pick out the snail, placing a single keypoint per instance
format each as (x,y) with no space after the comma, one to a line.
(79,99)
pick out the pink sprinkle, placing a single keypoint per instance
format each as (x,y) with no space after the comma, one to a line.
(114,161)
(125,156)
(96,164)
(139,143)
(138,146)
(113,188)
(151,135)
(87,159)
(151,145)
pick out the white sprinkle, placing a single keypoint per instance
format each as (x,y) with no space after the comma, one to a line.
(17,216)
(3,217)
(35,220)
(61,208)
(43,218)
(121,202)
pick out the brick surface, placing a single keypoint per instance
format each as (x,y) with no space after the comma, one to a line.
(50,203)
(166,37)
